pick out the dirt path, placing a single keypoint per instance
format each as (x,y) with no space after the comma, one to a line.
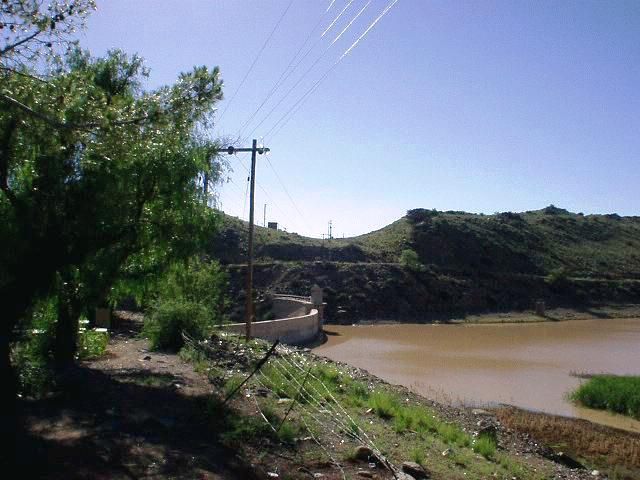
(132,414)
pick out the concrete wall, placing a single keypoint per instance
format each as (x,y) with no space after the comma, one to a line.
(302,323)
(284,307)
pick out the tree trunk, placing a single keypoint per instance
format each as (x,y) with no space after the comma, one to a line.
(8,398)
(66,333)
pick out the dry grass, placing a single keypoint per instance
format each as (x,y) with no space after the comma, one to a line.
(599,445)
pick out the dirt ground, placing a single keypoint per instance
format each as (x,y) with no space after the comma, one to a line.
(131,414)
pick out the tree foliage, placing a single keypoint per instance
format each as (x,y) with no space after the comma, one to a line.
(97,178)
(32,30)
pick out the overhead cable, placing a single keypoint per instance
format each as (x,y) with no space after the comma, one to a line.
(313,88)
(264,45)
(286,73)
(283,78)
(337,18)
(384,12)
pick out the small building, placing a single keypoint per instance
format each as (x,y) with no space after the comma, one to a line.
(272,225)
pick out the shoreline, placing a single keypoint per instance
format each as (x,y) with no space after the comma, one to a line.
(579,445)
(560,314)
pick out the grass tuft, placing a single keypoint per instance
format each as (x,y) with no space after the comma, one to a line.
(384,404)
(417,455)
(485,445)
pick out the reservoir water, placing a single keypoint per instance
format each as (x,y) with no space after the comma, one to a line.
(526,365)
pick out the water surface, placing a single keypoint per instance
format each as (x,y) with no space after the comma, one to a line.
(526,365)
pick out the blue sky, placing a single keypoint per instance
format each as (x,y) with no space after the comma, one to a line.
(478,106)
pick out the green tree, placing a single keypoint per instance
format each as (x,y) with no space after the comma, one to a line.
(94,173)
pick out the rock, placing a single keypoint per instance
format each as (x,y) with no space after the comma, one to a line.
(595,473)
(488,431)
(318,475)
(479,411)
(415,470)
(566,460)
(363,453)
(403,476)
(273,475)
(364,473)
(148,357)
(284,400)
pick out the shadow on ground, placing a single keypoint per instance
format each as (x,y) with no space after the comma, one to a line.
(127,425)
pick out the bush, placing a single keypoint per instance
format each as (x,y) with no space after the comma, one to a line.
(557,277)
(410,260)
(196,281)
(32,354)
(92,343)
(189,298)
(169,319)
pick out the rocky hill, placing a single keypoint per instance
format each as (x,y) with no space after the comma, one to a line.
(465,263)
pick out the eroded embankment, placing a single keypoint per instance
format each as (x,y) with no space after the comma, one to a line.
(385,291)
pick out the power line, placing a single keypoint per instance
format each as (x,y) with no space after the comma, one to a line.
(264,45)
(287,193)
(261,187)
(337,18)
(384,12)
(326,74)
(281,80)
(320,57)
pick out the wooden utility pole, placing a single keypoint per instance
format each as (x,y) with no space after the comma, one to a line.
(249,307)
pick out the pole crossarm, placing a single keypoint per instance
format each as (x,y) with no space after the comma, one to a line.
(260,150)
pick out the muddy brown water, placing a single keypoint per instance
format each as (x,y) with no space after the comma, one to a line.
(526,365)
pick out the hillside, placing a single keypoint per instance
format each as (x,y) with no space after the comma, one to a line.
(470,263)
(382,245)
(534,242)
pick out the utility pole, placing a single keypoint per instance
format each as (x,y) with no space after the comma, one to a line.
(330,230)
(264,216)
(249,308)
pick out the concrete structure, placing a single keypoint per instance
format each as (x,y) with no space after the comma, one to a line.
(104,318)
(299,320)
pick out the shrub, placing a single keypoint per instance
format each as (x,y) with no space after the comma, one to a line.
(92,343)
(195,281)
(557,277)
(169,319)
(32,354)
(409,259)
